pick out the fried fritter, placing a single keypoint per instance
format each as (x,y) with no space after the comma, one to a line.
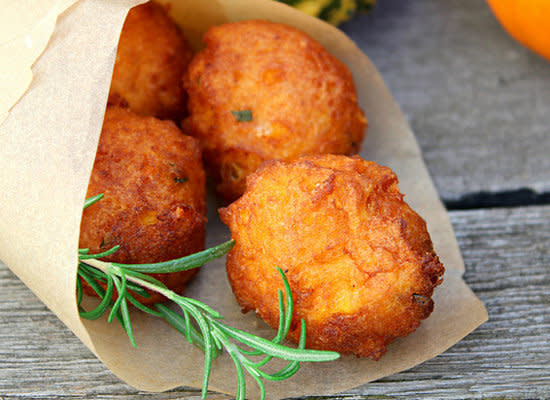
(152,55)
(359,260)
(262,91)
(154,185)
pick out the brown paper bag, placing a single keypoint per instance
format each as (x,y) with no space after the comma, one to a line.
(47,146)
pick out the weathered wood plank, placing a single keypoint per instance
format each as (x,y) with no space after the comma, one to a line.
(478,102)
(507,264)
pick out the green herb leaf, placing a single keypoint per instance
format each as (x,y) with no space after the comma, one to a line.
(200,324)
(182,264)
(92,200)
(242,115)
(85,255)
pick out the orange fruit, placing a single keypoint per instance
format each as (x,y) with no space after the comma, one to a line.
(527,21)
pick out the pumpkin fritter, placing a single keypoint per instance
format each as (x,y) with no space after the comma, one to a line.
(152,55)
(261,91)
(359,260)
(154,201)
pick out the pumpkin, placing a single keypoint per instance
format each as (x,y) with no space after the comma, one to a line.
(332,11)
(526,21)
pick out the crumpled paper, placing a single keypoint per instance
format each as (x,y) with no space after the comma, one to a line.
(48,142)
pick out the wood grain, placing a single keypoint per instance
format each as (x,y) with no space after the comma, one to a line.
(476,100)
(507,264)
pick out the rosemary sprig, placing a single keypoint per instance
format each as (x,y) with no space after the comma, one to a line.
(200,324)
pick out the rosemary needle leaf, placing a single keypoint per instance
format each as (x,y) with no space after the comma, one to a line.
(91,200)
(236,357)
(121,303)
(97,288)
(285,318)
(87,256)
(143,277)
(218,344)
(92,272)
(90,280)
(277,350)
(78,292)
(137,290)
(105,299)
(116,305)
(289,305)
(182,264)
(260,385)
(291,367)
(184,327)
(127,323)
(281,332)
(283,374)
(213,313)
(142,307)
(208,348)
(188,327)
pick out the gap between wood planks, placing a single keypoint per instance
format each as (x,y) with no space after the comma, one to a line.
(508,198)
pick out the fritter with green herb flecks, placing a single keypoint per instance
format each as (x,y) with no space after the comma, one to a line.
(262,91)
(359,260)
(151,57)
(154,202)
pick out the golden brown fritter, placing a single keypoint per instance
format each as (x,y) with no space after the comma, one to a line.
(262,91)
(359,260)
(152,55)
(154,185)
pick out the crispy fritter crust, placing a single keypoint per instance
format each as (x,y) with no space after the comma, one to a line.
(359,260)
(302,99)
(154,185)
(152,55)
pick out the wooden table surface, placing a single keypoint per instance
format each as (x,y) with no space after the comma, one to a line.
(479,104)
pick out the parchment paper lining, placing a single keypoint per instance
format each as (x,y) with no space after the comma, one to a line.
(47,147)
